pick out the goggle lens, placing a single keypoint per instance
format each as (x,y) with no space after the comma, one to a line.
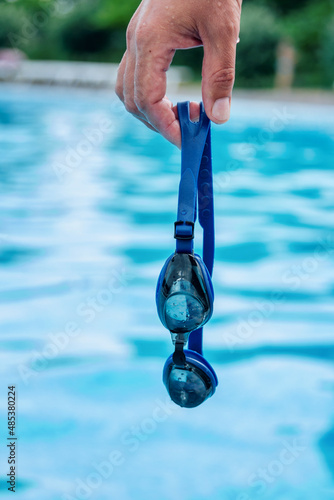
(183,313)
(183,298)
(186,387)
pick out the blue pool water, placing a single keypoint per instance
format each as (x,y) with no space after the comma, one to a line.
(88,200)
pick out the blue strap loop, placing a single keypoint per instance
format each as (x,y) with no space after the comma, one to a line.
(196,183)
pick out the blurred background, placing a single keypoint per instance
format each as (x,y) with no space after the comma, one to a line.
(88,201)
(283,43)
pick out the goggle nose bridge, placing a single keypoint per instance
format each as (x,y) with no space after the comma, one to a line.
(179,358)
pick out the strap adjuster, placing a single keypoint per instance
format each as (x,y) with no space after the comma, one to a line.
(187,231)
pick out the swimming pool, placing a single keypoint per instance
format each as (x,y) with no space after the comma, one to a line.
(88,201)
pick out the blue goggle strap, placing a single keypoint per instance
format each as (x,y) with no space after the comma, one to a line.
(196,182)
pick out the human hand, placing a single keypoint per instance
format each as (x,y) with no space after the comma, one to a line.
(156,30)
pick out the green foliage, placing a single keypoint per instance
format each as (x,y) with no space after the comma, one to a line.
(327,51)
(115,13)
(82,35)
(192,58)
(307,31)
(78,34)
(281,7)
(259,36)
(11,22)
(95,30)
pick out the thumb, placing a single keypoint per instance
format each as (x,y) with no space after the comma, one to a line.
(218,74)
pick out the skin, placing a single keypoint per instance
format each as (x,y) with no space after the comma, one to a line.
(156,30)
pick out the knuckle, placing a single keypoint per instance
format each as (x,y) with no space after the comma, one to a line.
(224,78)
(143,33)
(130,32)
(119,90)
(141,102)
(130,106)
(231,27)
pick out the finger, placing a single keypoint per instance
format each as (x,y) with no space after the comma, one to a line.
(156,107)
(128,86)
(153,60)
(120,78)
(194,111)
(218,71)
(119,88)
(148,125)
(128,82)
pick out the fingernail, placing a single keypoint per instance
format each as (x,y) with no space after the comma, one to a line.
(221,109)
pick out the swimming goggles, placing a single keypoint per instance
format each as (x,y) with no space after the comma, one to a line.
(184,294)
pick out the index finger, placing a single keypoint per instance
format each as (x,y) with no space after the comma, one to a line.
(152,63)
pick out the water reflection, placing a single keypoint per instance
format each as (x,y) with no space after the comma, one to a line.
(85,247)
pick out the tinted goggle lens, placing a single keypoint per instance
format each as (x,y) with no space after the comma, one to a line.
(183,313)
(183,302)
(188,386)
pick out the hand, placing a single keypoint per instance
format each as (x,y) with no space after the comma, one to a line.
(156,30)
